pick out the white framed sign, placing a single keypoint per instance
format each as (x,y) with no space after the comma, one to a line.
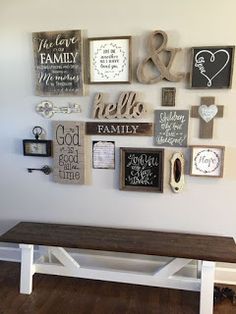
(207,161)
(109,60)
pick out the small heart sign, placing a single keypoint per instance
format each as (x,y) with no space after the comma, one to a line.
(207,113)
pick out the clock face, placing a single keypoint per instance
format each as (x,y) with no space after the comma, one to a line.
(35,148)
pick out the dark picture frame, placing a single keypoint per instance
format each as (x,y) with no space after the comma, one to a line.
(141,169)
(37,148)
(109,60)
(211,67)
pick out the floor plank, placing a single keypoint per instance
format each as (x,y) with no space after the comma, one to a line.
(61,295)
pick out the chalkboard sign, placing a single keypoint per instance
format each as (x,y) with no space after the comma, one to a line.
(58,63)
(171,128)
(212,67)
(141,169)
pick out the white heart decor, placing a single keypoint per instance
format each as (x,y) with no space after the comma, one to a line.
(200,63)
(207,113)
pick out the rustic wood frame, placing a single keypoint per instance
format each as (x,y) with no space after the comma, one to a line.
(221,148)
(129,56)
(211,47)
(123,186)
(39,89)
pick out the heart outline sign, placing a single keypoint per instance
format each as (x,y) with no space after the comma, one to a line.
(207,113)
(200,60)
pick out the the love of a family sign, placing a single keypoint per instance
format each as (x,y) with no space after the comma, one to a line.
(212,67)
(58,63)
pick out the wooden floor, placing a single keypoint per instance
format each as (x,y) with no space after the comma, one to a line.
(60,295)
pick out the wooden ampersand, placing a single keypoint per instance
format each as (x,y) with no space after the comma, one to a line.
(126,107)
(207,111)
(154,58)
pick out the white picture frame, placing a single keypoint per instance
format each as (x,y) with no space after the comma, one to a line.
(207,161)
(109,60)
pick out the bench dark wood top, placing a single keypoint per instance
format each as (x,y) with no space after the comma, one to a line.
(192,246)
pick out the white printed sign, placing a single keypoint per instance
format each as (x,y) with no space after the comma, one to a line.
(207,161)
(103,155)
(109,59)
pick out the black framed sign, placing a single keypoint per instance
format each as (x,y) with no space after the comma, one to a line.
(141,169)
(58,63)
(212,67)
(37,148)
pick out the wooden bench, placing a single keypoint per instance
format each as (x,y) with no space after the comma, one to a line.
(181,247)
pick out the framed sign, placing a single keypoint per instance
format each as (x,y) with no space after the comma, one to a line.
(168,96)
(103,155)
(38,148)
(68,148)
(58,63)
(109,60)
(212,67)
(141,169)
(207,161)
(171,128)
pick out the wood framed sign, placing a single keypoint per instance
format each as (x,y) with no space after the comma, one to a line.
(58,63)
(168,96)
(171,128)
(109,60)
(68,147)
(115,128)
(212,67)
(103,154)
(141,169)
(207,161)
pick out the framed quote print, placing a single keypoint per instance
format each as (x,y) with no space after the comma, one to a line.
(109,60)
(212,67)
(141,169)
(58,63)
(207,161)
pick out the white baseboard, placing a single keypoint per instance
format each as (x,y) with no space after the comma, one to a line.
(225,274)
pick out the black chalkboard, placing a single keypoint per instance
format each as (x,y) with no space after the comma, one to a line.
(212,67)
(141,169)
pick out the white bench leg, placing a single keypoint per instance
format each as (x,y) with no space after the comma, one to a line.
(27,269)
(207,287)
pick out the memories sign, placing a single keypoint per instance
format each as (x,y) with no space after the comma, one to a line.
(58,63)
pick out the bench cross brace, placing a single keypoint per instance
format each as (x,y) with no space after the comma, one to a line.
(165,276)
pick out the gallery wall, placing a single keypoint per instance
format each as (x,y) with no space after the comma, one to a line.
(206,205)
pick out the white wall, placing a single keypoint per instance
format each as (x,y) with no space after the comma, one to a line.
(206,205)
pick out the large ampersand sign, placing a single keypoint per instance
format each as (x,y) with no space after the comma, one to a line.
(154,58)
